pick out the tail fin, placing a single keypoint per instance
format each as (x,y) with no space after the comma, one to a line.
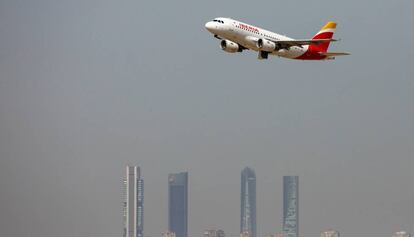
(325,33)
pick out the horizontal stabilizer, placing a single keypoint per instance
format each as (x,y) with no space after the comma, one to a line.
(332,54)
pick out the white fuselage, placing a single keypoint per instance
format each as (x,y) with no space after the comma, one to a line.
(247,36)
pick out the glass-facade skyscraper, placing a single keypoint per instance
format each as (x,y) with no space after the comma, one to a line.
(133,208)
(248,202)
(178,204)
(290,206)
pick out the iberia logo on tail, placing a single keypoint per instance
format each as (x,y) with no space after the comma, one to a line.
(326,32)
(319,51)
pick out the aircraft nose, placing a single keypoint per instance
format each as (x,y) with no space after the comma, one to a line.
(209,26)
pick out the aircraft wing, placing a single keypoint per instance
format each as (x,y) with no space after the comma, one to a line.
(332,54)
(300,43)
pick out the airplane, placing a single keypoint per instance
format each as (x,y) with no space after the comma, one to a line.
(237,36)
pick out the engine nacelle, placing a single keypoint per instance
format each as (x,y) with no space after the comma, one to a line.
(251,42)
(282,52)
(230,46)
(266,45)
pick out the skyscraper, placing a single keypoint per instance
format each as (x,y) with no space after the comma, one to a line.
(133,208)
(178,204)
(290,206)
(248,202)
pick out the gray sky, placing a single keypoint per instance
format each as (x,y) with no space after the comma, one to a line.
(89,86)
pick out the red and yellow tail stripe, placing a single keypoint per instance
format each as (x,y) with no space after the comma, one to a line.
(314,51)
(329,27)
(326,32)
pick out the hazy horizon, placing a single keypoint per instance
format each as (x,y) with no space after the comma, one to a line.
(87,87)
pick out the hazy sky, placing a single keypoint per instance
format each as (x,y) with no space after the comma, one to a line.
(88,86)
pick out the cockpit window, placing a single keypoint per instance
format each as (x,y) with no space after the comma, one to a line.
(219,21)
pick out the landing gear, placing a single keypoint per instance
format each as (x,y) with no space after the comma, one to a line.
(262,55)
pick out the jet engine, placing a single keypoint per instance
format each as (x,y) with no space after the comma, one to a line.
(230,46)
(266,45)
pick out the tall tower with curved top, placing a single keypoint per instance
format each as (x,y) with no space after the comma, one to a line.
(248,202)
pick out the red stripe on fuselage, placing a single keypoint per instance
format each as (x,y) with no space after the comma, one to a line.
(311,55)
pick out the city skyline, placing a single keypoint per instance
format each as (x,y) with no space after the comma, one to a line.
(178,197)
